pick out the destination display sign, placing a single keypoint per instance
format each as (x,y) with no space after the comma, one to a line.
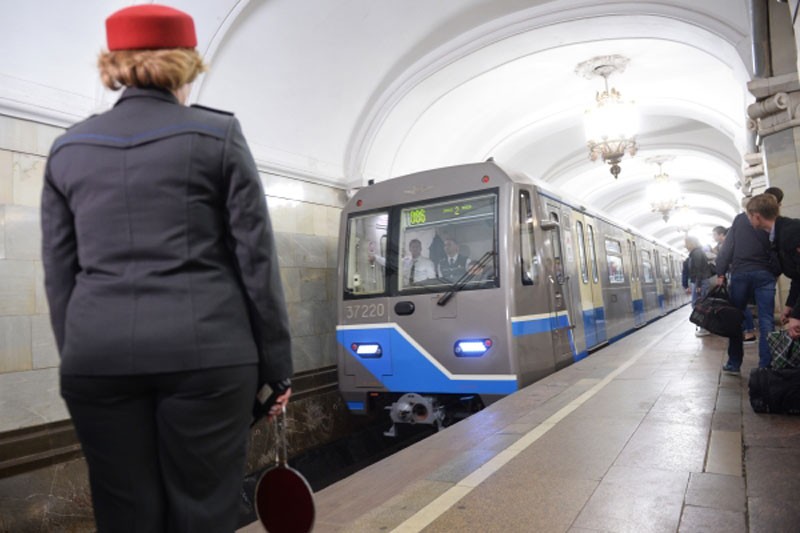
(450,211)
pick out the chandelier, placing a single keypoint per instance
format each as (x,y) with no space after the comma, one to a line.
(664,194)
(612,124)
(683,218)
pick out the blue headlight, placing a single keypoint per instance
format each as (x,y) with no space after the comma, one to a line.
(472,347)
(368,350)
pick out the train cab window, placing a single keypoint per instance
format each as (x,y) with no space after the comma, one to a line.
(647,267)
(582,252)
(529,261)
(593,254)
(616,274)
(446,243)
(365,265)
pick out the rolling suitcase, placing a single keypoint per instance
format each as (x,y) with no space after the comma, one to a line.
(775,391)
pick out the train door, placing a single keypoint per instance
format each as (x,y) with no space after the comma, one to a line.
(659,282)
(557,256)
(636,284)
(598,306)
(586,325)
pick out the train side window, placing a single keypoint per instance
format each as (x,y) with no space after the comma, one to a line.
(634,269)
(647,267)
(665,268)
(582,252)
(593,254)
(365,267)
(657,264)
(555,245)
(616,273)
(528,260)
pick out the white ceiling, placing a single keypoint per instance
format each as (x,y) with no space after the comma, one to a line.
(341,91)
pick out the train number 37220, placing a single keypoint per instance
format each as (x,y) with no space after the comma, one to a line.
(356,311)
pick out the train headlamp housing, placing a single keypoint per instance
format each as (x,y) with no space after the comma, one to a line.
(367,350)
(472,347)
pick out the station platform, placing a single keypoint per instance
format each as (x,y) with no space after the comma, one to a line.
(646,434)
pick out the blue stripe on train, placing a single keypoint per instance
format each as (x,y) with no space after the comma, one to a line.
(539,325)
(594,326)
(403,368)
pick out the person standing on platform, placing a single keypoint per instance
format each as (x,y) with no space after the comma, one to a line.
(784,235)
(699,275)
(163,285)
(718,234)
(747,253)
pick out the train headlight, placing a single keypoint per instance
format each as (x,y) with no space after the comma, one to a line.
(472,348)
(368,349)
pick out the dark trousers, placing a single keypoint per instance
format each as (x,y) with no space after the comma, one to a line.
(166,452)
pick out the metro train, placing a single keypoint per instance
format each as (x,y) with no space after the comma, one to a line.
(538,282)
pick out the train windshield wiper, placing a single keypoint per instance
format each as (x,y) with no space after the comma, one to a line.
(466,278)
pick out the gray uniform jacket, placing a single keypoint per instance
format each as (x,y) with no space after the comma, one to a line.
(157,247)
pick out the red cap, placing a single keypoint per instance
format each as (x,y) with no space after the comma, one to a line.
(150,26)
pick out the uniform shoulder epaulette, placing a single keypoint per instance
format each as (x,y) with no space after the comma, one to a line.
(220,111)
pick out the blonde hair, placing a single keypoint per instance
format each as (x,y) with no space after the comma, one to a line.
(168,68)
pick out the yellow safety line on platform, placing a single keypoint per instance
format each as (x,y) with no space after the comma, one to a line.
(425,516)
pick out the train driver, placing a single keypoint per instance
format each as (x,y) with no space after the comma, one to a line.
(415,267)
(453,265)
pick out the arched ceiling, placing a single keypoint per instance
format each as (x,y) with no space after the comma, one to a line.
(342,92)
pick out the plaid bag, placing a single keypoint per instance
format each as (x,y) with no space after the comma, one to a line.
(785,351)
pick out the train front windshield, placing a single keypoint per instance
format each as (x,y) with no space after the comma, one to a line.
(435,245)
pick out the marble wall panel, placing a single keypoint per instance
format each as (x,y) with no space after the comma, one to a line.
(305,218)
(282,214)
(332,250)
(23,235)
(301,315)
(290,277)
(43,343)
(2,232)
(311,251)
(42,308)
(6,176)
(25,136)
(306,352)
(15,343)
(287,249)
(17,288)
(313,284)
(329,349)
(28,179)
